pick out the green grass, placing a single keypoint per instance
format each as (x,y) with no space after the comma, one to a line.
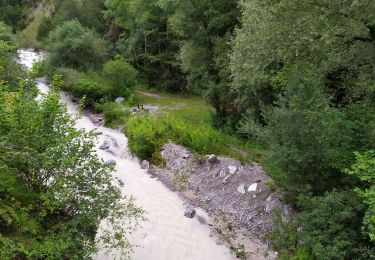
(185,120)
(190,108)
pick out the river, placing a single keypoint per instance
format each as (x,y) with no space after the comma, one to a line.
(168,235)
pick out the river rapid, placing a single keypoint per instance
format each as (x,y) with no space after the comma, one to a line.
(168,235)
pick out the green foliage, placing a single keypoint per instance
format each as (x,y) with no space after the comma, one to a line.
(142,35)
(330,225)
(44,28)
(10,71)
(114,113)
(364,169)
(74,46)
(202,29)
(297,136)
(39,69)
(87,12)
(284,239)
(120,77)
(335,38)
(14,12)
(147,134)
(54,189)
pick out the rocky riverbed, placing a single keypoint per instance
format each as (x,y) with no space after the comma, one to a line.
(241,198)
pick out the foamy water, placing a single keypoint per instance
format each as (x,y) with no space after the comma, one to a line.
(168,235)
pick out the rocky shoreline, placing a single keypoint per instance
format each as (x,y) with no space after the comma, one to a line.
(241,198)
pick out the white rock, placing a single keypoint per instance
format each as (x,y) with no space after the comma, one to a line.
(222,174)
(252,187)
(232,169)
(120,100)
(241,189)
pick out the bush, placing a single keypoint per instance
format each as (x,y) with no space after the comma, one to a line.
(39,69)
(120,77)
(147,134)
(44,28)
(71,45)
(330,225)
(54,189)
(284,238)
(88,85)
(114,113)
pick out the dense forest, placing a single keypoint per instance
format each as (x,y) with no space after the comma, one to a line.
(295,78)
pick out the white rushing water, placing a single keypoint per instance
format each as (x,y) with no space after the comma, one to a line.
(167,234)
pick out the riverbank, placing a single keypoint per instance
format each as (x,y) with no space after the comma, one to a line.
(168,234)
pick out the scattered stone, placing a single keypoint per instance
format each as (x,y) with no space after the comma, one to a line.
(98,133)
(110,162)
(232,169)
(75,99)
(186,155)
(252,187)
(215,174)
(226,179)
(219,242)
(189,213)
(222,174)
(104,146)
(241,189)
(120,100)
(145,165)
(97,120)
(212,158)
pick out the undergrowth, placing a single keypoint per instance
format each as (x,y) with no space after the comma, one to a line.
(147,135)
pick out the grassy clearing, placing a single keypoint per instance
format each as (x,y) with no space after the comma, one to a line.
(190,108)
(185,120)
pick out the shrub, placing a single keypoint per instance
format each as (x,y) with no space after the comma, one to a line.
(39,69)
(114,113)
(54,189)
(44,28)
(330,225)
(74,46)
(147,134)
(120,77)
